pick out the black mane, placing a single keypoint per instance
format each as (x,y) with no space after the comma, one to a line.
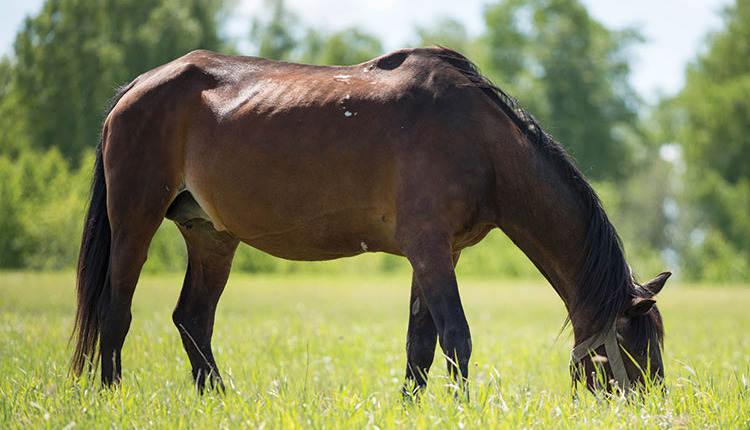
(605,279)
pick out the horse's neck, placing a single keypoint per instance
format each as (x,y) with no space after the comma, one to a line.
(547,218)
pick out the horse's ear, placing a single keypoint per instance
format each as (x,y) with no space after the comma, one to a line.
(655,285)
(639,306)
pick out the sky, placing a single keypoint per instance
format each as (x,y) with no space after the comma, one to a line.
(675,30)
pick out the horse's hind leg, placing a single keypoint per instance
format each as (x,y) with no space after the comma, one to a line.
(130,240)
(210,254)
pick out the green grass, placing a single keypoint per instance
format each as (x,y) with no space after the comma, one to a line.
(328,352)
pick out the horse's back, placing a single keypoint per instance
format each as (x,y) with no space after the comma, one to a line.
(305,162)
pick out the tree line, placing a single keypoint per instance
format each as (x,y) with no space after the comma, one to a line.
(674,176)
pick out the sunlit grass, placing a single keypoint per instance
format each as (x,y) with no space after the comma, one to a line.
(328,352)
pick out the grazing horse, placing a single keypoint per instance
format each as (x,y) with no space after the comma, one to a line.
(414,153)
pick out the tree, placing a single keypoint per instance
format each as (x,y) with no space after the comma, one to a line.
(715,102)
(279,34)
(710,119)
(13,125)
(274,36)
(341,48)
(69,59)
(43,203)
(506,53)
(350,46)
(572,72)
(67,62)
(446,32)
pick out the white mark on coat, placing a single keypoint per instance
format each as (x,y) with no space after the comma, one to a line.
(364,246)
(347,112)
(343,78)
(415,306)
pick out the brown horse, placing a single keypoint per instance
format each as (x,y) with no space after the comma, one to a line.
(413,153)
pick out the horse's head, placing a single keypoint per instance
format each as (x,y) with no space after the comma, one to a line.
(629,353)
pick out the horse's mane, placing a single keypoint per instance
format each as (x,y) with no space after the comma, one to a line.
(605,279)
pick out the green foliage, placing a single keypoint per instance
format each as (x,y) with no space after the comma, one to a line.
(715,135)
(273,35)
(281,35)
(13,123)
(506,47)
(572,74)
(70,57)
(716,101)
(42,212)
(53,92)
(710,120)
(446,32)
(10,215)
(714,259)
(167,252)
(341,48)
(716,242)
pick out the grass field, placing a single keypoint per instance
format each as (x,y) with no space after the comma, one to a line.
(328,352)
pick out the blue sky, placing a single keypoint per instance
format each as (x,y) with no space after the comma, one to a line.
(675,30)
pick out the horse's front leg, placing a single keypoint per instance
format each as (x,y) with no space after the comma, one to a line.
(421,338)
(433,264)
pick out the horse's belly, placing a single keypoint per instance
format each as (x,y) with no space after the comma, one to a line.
(301,218)
(316,188)
(324,237)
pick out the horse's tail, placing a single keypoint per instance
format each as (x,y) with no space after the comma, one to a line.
(93,265)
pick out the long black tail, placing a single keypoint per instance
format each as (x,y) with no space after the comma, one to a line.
(93,266)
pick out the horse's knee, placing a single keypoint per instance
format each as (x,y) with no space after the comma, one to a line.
(456,342)
(178,318)
(186,321)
